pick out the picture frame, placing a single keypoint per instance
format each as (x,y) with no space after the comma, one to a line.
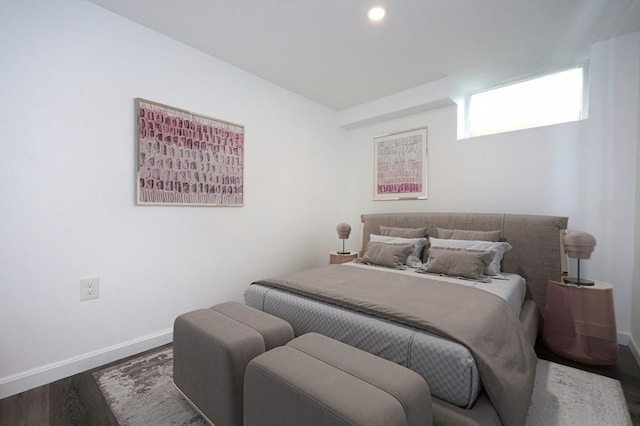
(400,167)
(187,159)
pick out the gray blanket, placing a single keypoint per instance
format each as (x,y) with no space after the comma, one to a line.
(479,320)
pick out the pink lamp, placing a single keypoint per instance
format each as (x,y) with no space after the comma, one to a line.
(579,245)
(344,229)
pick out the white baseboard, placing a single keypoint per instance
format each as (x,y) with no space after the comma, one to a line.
(623,338)
(33,378)
(39,376)
(635,349)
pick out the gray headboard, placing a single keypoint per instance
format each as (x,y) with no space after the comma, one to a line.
(536,253)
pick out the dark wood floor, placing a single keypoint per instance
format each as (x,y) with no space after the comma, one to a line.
(74,401)
(77,400)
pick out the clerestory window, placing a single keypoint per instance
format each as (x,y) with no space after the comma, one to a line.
(550,99)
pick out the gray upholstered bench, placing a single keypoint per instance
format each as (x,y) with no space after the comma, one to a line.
(211,349)
(315,380)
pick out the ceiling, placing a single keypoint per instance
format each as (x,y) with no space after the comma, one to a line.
(327,51)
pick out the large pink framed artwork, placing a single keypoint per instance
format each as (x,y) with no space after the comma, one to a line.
(187,159)
(400,165)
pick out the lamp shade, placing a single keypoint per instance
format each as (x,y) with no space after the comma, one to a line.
(343,230)
(579,245)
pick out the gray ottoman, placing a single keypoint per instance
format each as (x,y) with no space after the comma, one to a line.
(315,380)
(211,349)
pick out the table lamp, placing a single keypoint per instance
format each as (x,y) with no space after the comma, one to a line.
(343,233)
(579,245)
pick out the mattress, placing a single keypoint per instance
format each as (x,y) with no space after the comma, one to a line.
(448,367)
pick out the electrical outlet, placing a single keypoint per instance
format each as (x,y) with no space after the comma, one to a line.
(89,288)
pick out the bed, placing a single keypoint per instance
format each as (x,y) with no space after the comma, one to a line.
(474,348)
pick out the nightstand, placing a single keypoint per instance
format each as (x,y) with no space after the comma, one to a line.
(335,257)
(580,323)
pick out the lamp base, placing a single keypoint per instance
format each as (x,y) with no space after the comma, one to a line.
(579,281)
(344,252)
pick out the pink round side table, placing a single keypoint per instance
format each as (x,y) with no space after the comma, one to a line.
(580,323)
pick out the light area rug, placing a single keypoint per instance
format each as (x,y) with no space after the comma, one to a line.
(140,391)
(567,396)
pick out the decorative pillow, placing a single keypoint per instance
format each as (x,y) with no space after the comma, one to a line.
(390,231)
(389,255)
(413,260)
(500,248)
(464,234)
(459,262)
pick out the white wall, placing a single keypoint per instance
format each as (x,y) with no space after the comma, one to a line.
(634,343)
(584,170)
(69,74)
(488,174)
(608,188)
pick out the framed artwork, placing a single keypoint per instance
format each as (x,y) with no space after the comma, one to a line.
(400,166)
(187,159)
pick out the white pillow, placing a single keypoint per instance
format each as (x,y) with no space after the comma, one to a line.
(500,248)
(418,244)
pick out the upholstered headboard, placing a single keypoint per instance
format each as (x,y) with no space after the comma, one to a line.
(536,253)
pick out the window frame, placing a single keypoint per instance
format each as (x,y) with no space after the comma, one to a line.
(584,111)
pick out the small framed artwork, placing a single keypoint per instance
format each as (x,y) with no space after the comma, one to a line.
(400,166)
(187,159)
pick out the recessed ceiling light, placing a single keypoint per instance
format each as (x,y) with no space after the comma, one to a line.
(376,13)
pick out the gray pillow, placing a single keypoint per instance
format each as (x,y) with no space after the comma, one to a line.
(458,262)
(390,231)
(464,234)
(499,248)
(389,255)
(414,259)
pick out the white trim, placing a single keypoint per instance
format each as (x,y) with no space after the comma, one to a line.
(33,378)
(39,376)
(623,338)
(635,350)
